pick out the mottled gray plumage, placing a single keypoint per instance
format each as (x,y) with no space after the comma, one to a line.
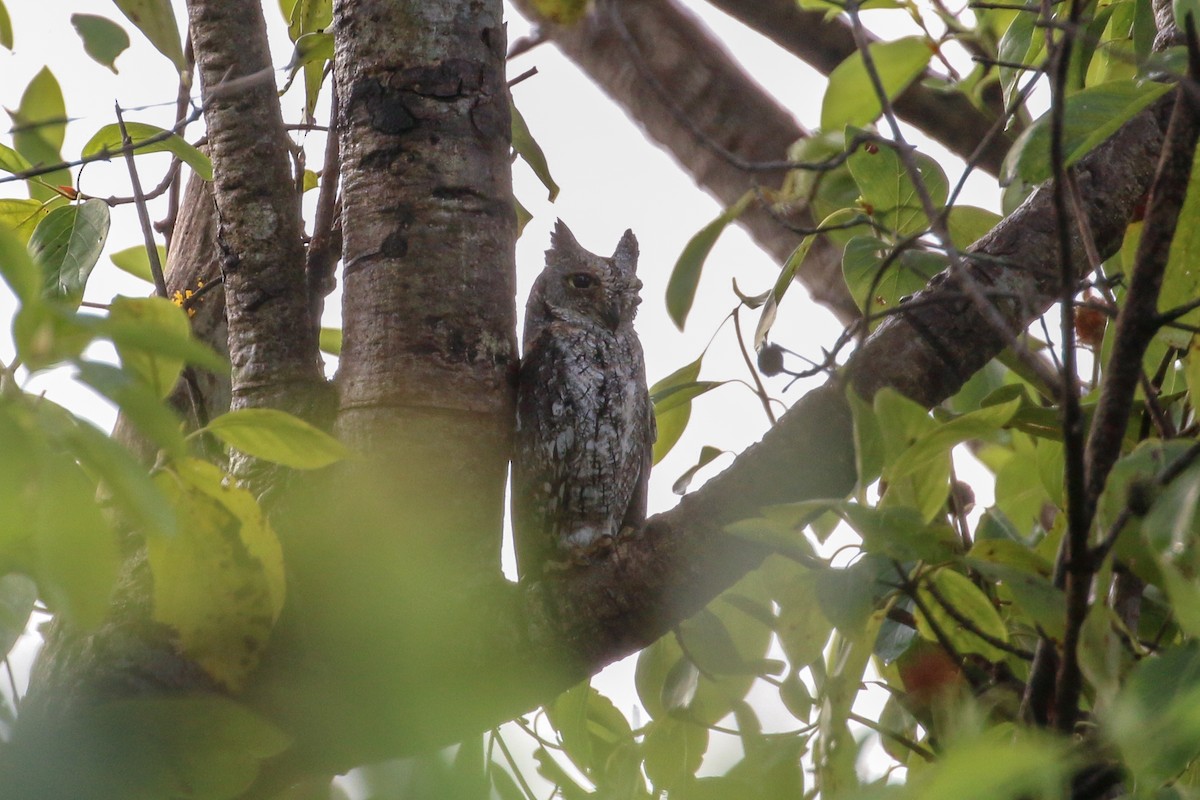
(585,426)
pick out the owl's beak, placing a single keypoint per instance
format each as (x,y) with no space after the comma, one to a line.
(612,313)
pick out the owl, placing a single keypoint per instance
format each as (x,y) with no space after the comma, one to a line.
(585,426)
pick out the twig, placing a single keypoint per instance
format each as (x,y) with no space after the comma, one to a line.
(156,270)
(969,625)
(498,738)
(759,389)
(900,739)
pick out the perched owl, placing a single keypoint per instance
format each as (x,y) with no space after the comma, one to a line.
(585,425)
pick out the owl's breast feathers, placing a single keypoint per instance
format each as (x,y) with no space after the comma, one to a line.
(585,429)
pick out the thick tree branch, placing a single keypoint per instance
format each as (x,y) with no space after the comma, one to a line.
(947,117)
(272,342)
(715,96)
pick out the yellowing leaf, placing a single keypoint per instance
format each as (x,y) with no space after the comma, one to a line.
(219,582)
(277,436)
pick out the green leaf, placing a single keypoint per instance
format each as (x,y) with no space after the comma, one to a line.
(206,746)
(331,341)
(311,53)
(1091,116)
(850,97)
(1103,659)
(123,480)
(1019,45)
(64,544)
(306,16)
(17,267)
(673,750)
(1155,720)
(984,423)
(780,537)
(707,454)
(902,423)
(157,318)
(107,143)
(877,288)
(165,340)
(11,160)
(1033,766)
(219,583)
(968,224)
(277,436)
(6,31)
(48,333)
(17,595)
(685,275)
(39,127)
(802,629)
(135,261)
(156,19)
(888,192)
(1181,280)
(103,39)
(590,726)
(847,596)
(900,532)
(138,402)
(530,151)
(788,274)
(21,218)
(67,245)
(504,785)
(1034,593)
(710,647)
(960,594)
(673,420)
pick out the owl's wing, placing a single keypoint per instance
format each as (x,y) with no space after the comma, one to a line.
(540,466)
(646,436)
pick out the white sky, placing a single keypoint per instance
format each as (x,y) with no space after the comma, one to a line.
(611,179)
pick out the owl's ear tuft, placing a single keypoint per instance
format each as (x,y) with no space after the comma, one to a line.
(562,241)
(626,254)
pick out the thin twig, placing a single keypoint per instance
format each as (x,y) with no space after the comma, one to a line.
(156,269)
(759,389)
(512,764)
(969,625)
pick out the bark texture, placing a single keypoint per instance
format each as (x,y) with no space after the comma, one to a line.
(644,55)
(429,349)
(272,342)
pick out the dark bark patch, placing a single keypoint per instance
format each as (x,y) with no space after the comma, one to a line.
(385,107)
(395,245)
(447,80)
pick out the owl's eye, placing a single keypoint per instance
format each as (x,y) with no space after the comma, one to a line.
(581,280)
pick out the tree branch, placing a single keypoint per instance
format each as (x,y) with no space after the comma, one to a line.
(272,343)
(948,117)
(714,93)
